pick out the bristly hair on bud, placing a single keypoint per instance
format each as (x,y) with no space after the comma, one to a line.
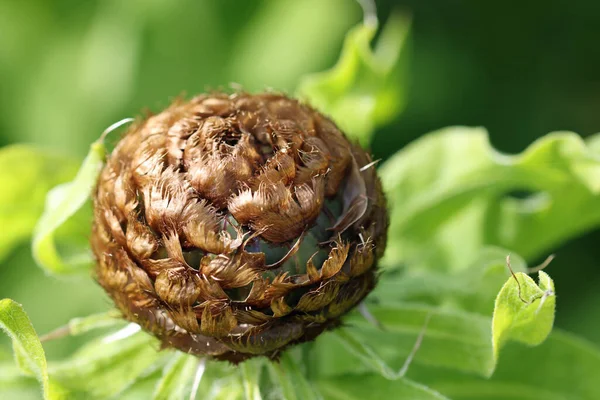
(233,226)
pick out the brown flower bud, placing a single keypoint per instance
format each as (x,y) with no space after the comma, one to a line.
(232,226)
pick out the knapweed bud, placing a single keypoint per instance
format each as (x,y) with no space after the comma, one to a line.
(232,226)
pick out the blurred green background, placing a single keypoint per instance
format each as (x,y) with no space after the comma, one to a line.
(68,69)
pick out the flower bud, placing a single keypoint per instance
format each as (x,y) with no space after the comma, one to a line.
(233,226)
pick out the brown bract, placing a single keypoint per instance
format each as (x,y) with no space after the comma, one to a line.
(232,226)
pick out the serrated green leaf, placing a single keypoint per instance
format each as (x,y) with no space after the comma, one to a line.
(29,352)
(452,184)
(290,380)
(366,88)
(372,386)
(62,203)
(107,366)
(26,175)
(524,311)
(177,377)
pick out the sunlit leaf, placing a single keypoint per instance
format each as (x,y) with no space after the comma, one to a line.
(366,87)
(107,366)
(62,203)
(27,347)
(524,311)
(451,193)
(176,379)
(78,326)
(26,175)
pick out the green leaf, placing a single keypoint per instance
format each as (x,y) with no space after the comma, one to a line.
(562,368)
(366,88)
(26,175)
(177,377)
(452,339)
(473,289)
(371,386)
(290,380)
(450,193)
(79,326)
(62,203)
(29,352)
(524,311)
(250,371)
(221,381)
(107,366)
(262,59)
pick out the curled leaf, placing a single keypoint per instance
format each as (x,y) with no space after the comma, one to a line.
(453,184)
(365,89)
(524,311)
(62,202)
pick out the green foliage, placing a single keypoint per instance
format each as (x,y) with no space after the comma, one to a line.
(176,377)
(524,311)
(105,367)
(366,88)
(62,203)
(446,300)
(356,387)
(28,350)
(563,367)
(23,193)
(463,190)
(250,371)
(290,381)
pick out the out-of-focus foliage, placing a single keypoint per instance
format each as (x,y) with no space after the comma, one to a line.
(458,206)
(23,193)
(62,203)
(466,191)
(367,87)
